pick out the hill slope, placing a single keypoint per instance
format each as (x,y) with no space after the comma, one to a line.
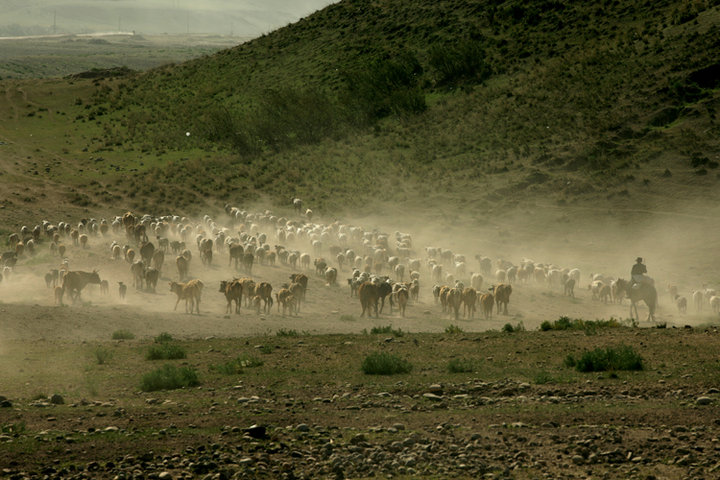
(611,104)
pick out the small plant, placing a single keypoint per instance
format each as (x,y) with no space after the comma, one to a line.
(236,366)
(542,378)
(387,329)
(347,318)
(460,365)
(13,428)
(382,363)
(266,349)
(606,359)
(164,337)
(123,335)
(590,326)
(283,332)
(509,328)
(169,377)
(102,355)
(453,329)
(164,351)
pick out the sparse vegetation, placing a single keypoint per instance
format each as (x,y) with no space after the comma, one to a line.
(169,377)
(123,335)
(165,351)
(383,363)
(566,323)
(453,329)
(606,359)
(164,337)
(461,365)
(285,332)
(237,365)
(102,355)
(509,328)
(387,329)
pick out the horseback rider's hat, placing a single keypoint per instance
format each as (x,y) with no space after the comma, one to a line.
(638,259)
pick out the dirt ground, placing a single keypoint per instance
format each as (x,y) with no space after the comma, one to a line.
(502,427)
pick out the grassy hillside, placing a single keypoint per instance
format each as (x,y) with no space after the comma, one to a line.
(609,103)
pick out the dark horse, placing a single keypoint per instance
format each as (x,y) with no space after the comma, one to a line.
(644,292)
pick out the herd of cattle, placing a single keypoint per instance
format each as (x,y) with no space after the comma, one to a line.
(384,266)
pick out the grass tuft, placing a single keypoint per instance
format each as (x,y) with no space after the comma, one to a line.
(102,355)
(169,377)
(284,332)
(165,351)
(387,329)
(123,335)
(383,363)
(237,365)
(460,365)
(607,359)
(453,329)
(164,337)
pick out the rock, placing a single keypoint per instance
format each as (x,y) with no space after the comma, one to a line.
(436,388)
(257,431)
(4,402)
(57,399)
(165,476)
(111,428)
(302,427)
(433,397)
(703,401)
(578,459)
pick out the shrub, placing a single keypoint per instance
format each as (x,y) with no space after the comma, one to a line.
(509,328)
(456,63)
(543,378)
(382,363)
(283,332)
(387,329)
(565,323)
(460,365)
(453,329)
(102,355)
(604,359)
(165,351)
(169,377)
(164,337)
(237,365)
(123,335)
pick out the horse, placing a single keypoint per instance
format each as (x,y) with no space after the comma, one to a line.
(644,292)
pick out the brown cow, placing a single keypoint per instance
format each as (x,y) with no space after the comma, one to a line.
(402,296)
(302,279)
(151,278)
(369,295)
(454,299)
(182,267)
(502,296)
(281,296)
(190,292)
(487,302)
(469,299)
(75,281)
(264,291)
(233,291)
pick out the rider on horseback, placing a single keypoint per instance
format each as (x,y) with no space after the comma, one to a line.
(638,274)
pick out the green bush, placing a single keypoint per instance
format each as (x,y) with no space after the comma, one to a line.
(165,351)
(283,332)
(454,64)
(102,355)
(607,359)
(565,323)
(169,377)
(237,365)
(382,363)
(164,337)
(509,328)
(459,365)
(123,335)
(387,329)
(453,329)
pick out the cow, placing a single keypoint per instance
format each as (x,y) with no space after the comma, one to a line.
(264,291)
(233,291)
(502,297)
(75,281)
(369,295)
(190,292)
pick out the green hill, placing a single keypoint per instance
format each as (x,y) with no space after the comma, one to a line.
(481,104)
